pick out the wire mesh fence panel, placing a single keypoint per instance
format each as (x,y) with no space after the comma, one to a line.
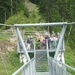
(41,61)
(28,69)
(56,68)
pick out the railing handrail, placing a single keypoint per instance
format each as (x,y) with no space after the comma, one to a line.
(40,24)
(64,64)
(16,72)
(19,69)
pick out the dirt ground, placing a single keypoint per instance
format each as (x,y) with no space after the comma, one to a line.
(7,45)
(10,44)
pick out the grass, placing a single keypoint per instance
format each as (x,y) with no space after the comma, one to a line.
(70,59)
(9,63)
(5,34)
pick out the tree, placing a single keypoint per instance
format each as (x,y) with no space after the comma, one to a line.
(64,9)
(35,1)
(4,8)
(59,10)
(47,9)
(10,7)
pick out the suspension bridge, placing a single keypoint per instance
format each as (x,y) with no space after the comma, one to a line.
(42,63)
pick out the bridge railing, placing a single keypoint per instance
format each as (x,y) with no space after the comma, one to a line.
(39,46)
(58,68)
(26,69)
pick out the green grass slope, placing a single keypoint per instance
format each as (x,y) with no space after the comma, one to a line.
(9,63)
(70,59)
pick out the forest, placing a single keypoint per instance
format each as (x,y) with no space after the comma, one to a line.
(51,10)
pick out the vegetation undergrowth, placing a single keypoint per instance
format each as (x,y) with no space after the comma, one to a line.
(32,15)
(70,58)
(9,63)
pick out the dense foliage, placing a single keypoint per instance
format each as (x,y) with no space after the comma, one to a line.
(57,10)
(10,7)
(51,10)
(35,1)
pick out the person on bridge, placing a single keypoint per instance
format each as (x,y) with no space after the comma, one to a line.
(28,43)
(40,38)
(31,42)
(42,41)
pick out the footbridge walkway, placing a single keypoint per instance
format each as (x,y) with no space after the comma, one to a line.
(43,63)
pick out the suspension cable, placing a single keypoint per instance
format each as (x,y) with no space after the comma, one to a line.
(69,34)
(6,25)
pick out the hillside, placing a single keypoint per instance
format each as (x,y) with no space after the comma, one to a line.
(8,55)
(30,15)
(9,59)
